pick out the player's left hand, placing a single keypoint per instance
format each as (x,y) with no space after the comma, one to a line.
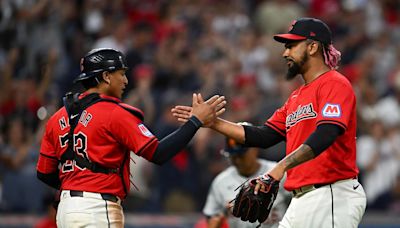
(276,173)
(183,113)
(256,207)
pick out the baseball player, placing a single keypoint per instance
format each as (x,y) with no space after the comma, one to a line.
(245,166)
(86,145)
(318,123)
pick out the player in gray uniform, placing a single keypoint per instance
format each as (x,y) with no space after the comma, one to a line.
(245,166)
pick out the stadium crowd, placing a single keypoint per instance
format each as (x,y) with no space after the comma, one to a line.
(178,47)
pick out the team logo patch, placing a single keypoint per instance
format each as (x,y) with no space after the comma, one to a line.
(96,58)
(302,113)
(144,130)
(331,110)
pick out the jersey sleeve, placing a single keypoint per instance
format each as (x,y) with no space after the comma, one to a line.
(278,120)
(214,204)
(131,132)
(47,162)
(336,101)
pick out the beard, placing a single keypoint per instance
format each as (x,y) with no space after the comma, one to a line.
(297,67)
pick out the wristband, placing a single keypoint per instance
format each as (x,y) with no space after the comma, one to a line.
(197,123)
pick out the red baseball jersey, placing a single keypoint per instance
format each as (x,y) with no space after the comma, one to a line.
(327,99)
(105,134)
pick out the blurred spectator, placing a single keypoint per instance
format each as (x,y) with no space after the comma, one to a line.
(326,10)
(93,18)
(22,191)
(142,173)
(275,16)
(385,61)
(174,181)
(253,57)
(14,100)
(391,103)
(229,20)
(378,159)
(374,23)
(118,38)
(367,105)
(49,219)
(142,47)
(359,70)
(169,21)
(395,204)
(142,95)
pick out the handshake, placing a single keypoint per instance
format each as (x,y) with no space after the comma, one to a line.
(206,111)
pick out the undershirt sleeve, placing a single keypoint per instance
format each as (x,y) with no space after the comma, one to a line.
(173,143)
(262,136)
(323,137)
(48,161)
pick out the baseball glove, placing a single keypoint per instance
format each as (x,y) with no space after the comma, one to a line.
(252,208)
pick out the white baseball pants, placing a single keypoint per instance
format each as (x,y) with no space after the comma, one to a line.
(338,205)
(89,210)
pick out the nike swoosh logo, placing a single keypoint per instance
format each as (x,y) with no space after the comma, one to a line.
(355,187)
(73,116)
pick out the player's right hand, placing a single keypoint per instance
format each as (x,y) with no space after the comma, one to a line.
(183,113)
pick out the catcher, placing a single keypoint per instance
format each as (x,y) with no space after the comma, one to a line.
(86,146)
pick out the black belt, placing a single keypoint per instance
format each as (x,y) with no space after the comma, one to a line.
(104,196)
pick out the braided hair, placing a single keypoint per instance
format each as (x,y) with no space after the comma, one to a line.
(331,56)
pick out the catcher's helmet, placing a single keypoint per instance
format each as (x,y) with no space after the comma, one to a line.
(99,60)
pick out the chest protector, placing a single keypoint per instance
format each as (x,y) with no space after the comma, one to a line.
(75,107)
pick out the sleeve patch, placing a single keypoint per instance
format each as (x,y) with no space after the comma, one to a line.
(332,110)
(145,131)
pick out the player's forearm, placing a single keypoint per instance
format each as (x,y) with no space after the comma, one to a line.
(302,154)
(323,137)
(51,179)
(229,129)
(173,143)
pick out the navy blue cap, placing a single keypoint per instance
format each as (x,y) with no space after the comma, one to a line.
(233,147)
(306,28)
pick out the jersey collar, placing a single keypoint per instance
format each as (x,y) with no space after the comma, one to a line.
(84,94)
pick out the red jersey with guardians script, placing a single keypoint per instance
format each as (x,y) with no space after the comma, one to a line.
(105,134)
(327,99)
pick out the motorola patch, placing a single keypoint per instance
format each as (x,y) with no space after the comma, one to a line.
(332,110)
(144,130)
